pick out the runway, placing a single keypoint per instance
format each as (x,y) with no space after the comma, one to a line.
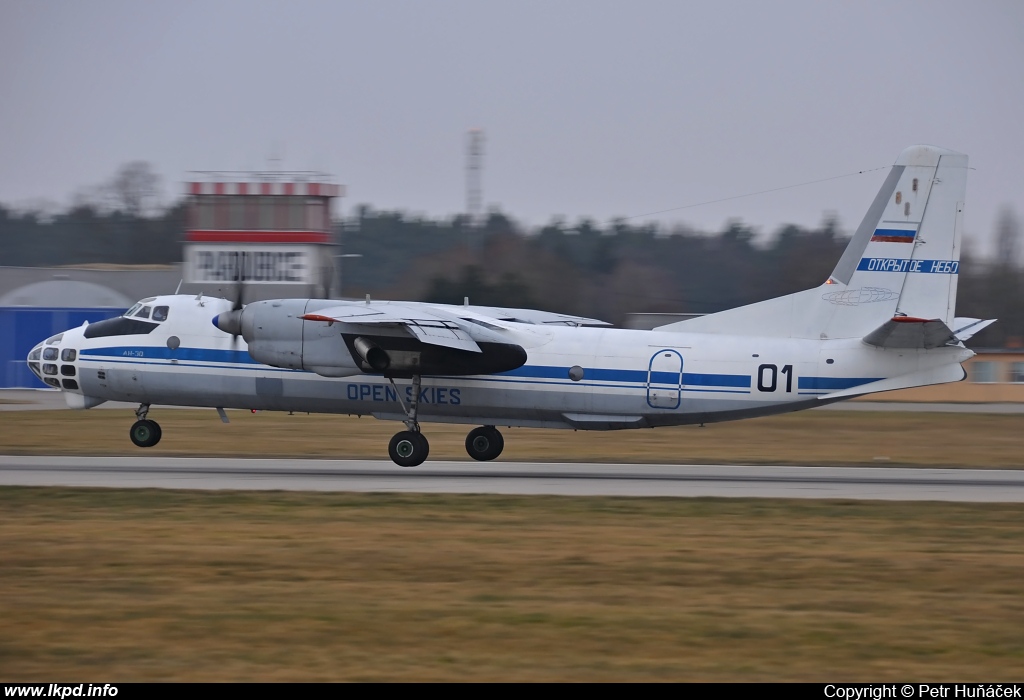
(524,478)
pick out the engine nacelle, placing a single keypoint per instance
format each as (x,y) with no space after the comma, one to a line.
(394,353)
(277,335)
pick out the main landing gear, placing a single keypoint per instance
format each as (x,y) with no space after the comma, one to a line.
(410,448)
(144,432)
(484,443)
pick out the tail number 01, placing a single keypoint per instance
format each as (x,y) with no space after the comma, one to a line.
(768,377)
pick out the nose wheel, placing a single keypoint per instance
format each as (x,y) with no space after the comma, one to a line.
(484,443)
(144,432)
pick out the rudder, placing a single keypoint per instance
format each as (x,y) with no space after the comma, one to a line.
(905,255)
(903,260)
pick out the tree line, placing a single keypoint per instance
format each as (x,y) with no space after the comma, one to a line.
(598,270)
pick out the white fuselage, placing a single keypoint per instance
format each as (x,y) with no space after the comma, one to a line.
(574,377)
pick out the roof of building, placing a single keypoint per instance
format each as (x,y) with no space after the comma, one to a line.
(66,293)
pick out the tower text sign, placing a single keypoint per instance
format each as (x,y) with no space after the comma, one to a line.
(267,264)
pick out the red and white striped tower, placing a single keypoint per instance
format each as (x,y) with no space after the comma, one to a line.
(270,231)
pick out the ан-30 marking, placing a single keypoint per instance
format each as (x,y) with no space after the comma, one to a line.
(768,378)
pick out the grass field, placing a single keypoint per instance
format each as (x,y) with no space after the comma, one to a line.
(117,585)
(809,437)
(122,585)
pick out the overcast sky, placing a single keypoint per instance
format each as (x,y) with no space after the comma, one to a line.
(590,108)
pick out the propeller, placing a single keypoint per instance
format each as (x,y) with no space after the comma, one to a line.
(231,321)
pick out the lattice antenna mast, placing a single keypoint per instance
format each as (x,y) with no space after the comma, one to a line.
(474,176)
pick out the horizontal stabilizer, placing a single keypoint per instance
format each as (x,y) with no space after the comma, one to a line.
(966,328)
(911,333)
(935,375)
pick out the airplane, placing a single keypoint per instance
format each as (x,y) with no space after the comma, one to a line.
(883,320)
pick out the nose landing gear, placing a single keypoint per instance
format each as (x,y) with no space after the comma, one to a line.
(484,443)
(144,432)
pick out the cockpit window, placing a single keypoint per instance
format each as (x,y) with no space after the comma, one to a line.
(160,313)
(119,326)
(53,340)
(50,354)
(34,355)
(142,313)
(132,310)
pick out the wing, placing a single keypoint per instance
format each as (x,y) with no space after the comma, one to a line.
(532,316)
(419,321)
(460,327)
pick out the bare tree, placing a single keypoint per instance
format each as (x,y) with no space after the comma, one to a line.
(136,188)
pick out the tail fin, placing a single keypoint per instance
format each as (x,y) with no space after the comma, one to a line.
(902,261)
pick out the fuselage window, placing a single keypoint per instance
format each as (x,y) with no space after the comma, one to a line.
(142,313)
(67,370)
(49,369)
(50,354)
(68,354)
(34,355)
(160,313)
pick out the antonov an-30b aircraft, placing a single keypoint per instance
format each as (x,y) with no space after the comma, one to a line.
(883,320)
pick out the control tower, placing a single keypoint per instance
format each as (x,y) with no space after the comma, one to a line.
(260,234)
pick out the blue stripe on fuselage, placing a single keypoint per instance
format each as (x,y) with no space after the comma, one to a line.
(632,376)
(626,376)
(594,374)
(151,352)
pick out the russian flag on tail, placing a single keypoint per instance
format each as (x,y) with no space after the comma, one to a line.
(894,235)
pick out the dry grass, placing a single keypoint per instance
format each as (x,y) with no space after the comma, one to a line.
(815,437)
(105,585)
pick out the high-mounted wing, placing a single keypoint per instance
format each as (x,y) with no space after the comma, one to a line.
(400,339)
(541,318)
(425,326)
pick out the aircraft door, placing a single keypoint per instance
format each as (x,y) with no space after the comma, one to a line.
(665,379)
